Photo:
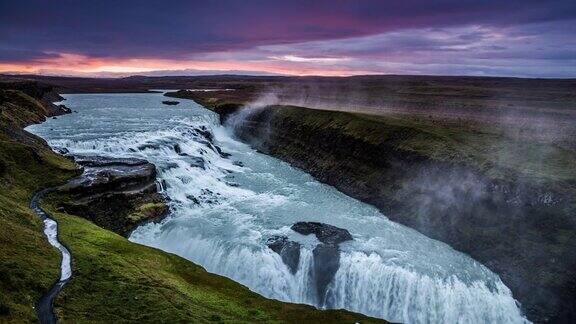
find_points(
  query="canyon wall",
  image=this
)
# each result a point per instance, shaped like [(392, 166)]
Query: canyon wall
[(520, 229)]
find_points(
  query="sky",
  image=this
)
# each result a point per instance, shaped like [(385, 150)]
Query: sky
[(267, 37)]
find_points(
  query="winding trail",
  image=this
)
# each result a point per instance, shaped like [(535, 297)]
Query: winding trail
[(45, 307)]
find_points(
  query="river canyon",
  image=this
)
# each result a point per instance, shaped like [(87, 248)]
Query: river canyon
[(228, 201)]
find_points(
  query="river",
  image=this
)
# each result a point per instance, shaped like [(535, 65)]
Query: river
[(222, 215)]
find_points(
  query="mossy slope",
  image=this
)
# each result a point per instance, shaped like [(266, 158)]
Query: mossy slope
[(28, 264)]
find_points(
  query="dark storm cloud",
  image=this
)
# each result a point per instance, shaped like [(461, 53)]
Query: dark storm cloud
[(180, 29)]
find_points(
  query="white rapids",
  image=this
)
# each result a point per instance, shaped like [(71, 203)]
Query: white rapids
[(222, 215), (51, 232)]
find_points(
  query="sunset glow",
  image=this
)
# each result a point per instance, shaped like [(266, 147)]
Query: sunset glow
[(327, 38)]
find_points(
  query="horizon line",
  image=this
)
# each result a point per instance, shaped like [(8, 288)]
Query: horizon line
[(16, 75)]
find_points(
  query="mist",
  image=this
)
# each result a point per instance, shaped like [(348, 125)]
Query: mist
[(494, 186)]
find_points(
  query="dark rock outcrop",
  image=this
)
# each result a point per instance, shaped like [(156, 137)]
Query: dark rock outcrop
[(325, 233), (170, 103), (222, 153), (150, 146), (203, 136), (288, 250), (43, 93), (23, 103), (61, 150), (64, 109), (115, 193), (205, 132), (326, 264), (326, 254), (197, 162), (102, 161), (103, 175)]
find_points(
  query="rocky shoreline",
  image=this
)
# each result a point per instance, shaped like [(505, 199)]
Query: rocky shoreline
[(118, 194)]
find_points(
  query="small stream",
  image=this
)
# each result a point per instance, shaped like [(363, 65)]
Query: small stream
[(45, 307), (225, 208)]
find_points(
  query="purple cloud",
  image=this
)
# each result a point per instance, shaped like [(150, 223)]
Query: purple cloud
[(371, 35)]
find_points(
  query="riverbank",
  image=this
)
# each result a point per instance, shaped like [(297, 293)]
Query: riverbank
[(114, 279), (508, 201)]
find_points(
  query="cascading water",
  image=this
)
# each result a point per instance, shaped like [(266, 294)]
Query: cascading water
[(225, 208)]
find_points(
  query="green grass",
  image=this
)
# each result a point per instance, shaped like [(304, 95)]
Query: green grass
[(485, 148), (28, 264), (19, 109), (146, 211)]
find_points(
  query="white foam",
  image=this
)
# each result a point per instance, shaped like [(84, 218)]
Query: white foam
[(51, 232)]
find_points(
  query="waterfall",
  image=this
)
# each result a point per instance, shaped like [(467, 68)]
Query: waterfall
[(226, 200)]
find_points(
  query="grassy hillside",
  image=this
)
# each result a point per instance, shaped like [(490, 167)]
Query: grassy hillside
[(114, 280), (19, 109), (28, 264), (485, 148)]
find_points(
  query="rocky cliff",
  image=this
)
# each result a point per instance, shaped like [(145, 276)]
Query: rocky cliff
[(27, 94), (118, 194)]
